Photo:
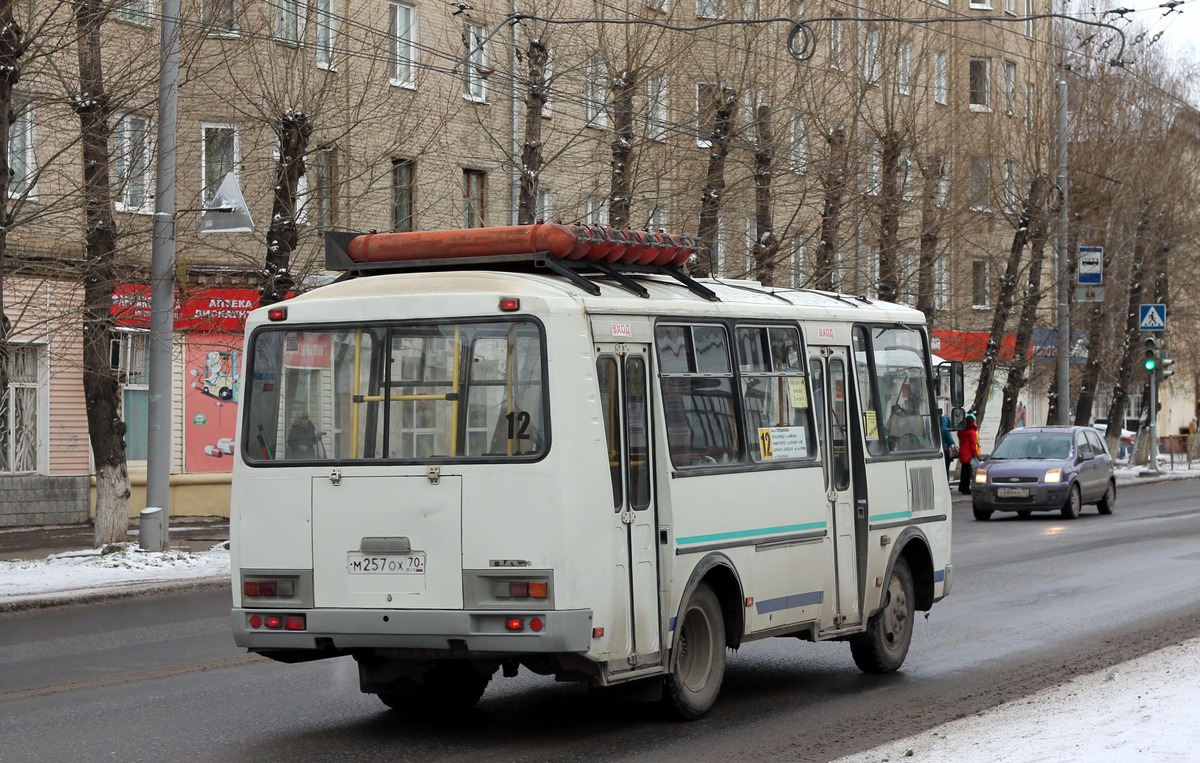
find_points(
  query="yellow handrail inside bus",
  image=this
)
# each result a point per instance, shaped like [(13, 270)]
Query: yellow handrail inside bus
[(454, 389), (354, 399)]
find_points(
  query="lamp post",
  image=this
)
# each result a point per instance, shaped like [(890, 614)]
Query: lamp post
[(162, 279)]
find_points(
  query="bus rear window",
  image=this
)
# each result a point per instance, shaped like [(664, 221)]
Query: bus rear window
[(413, 392)]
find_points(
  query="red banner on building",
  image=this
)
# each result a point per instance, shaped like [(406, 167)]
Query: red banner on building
[(208, 310)]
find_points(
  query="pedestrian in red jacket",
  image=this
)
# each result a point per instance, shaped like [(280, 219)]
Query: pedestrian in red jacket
[(968, 448)]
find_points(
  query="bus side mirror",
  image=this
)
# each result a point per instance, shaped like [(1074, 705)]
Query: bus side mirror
[(953, 369), (958, 418)]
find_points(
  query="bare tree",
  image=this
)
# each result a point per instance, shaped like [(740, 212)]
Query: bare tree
[(531, 150), (106, 429), (12, 49), (712, 195)]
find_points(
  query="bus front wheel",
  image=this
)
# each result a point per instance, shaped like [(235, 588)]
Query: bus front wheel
[(884, 645), (699, 657)]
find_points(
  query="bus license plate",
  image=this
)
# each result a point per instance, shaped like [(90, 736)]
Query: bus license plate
[(1012, 492), (385, 564)]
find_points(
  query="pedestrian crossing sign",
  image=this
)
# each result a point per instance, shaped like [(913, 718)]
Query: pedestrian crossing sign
[(1152, 317)]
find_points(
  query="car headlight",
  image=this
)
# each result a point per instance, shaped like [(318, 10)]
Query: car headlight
[(981, 476), (1053, 475)]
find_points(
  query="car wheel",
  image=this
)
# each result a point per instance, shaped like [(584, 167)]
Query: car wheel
[(1109, 501), (699, 655), (982, 515), (1070, 509), (884, 645)]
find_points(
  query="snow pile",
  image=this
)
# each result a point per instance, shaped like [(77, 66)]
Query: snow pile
[(118, 568), (1144, 709)]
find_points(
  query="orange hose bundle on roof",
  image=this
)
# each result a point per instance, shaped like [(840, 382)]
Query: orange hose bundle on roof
[(592, 243)]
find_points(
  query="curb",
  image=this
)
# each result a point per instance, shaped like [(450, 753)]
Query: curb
[(57, 599)]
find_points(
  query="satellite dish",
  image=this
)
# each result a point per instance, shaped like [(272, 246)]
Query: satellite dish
[(226, 211)]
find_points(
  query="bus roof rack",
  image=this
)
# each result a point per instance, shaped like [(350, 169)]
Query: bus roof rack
[(579, 253)]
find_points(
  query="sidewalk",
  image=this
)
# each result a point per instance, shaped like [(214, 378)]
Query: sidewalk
[(187, 534)]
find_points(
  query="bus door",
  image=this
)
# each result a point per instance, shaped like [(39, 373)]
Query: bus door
[(831, 386), (624, 378)]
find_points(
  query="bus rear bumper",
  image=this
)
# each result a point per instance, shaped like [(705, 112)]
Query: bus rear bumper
[(483, 633)]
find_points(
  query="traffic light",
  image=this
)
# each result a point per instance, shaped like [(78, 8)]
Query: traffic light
[(1153, 355), (1164, 368)]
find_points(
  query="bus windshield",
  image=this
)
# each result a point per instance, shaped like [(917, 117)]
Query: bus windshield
[(410, 392)]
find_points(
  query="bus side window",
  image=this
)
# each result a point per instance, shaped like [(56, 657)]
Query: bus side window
[(697, 388)]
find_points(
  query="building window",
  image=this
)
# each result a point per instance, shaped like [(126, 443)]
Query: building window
[(871, 56), (1012, 199), (941, 283), (1010, 87), (595, 211), (656, 106), (135, 12), (219, 17), (548, 77), (943, 184), (657, 219), (980, 286), (904, 67), (595, 92), (835, 44), (657, 5), (20, 409), (326, 33), (1029, 19), (1030, 105), (131, 163), (219, 157), (709, 9), (941, 78), (475, 69), (981, 184), (708, 101), (474, 198), (401, 59), (404, 173), (21, 161), (978, 83), (980, 5), (289, 16), (874, 171), (798, 153), (130, 360), (543, 206), (323, 164), (799, 255)]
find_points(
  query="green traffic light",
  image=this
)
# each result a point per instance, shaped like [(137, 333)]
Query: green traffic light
[(1150, 364)]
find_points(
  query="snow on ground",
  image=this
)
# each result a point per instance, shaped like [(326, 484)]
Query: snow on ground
[(94, 573), (1142, 710)]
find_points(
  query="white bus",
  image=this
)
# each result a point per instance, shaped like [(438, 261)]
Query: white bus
[(469, 457)]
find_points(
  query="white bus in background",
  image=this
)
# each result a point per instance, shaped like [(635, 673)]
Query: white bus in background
[(601, 470)]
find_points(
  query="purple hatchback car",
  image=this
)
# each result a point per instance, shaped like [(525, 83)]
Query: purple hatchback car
[(1045, 469)]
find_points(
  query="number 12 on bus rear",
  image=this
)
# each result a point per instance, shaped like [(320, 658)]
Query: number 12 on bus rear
[(454, 471)]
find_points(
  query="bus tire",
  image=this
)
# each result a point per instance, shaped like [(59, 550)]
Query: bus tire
[(884, 645), (455, 685), (698, 657), (1074, 504)]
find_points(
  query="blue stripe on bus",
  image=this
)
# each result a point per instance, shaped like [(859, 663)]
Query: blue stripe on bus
[(894, 515), (749, 533), (794, 601)]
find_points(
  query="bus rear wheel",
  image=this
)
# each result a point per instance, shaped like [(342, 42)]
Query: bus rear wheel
[(699, 657), (884, 645)]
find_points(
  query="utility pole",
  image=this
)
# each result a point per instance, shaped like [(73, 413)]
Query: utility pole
[(1064, 276), (162, 281)]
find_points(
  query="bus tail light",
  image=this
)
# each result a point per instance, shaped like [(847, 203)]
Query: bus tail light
[(270, 587), (277, 314), (514, 624), (274, 622), (521, 589)]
